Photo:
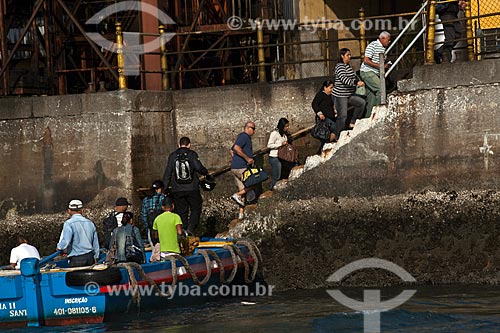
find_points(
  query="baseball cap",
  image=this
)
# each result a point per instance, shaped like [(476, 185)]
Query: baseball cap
[(122, 202), (157, 184), (167, 202), (75, 204)]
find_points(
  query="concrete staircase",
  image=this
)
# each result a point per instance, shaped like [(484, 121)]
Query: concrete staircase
[(379, 114)]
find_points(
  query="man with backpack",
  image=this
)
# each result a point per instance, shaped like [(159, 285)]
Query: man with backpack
[(151, 207), (181, 173)]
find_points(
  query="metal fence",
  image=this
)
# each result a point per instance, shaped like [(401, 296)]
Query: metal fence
[(486, 25)]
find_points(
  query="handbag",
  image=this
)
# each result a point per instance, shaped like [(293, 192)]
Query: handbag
[(360, 91), (321, 131), (253, 176), (288, 153)]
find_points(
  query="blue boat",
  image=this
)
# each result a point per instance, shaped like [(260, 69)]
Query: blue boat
[(46, 293)]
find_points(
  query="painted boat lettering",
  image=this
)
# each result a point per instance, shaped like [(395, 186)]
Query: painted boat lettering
[(8, 306), (18, 313), (73, 311), (76, 300)]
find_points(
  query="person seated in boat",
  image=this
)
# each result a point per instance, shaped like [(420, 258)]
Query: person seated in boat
[(22, 251), (167, 227), (119, 236), (78, 238)]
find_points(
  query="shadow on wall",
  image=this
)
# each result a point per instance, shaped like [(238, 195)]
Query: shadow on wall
[(54, 196)]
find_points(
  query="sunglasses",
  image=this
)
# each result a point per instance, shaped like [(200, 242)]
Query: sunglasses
[(251, 127)]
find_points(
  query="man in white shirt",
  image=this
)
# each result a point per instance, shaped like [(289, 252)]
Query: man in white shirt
[(22, 251)]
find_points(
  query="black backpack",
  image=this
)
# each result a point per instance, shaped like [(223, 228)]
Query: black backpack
[(109, 223), (152, 215), (183, 170), (133, 251)]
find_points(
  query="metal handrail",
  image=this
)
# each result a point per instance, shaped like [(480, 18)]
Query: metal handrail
[(405, 51), (383, 73), (424, 5)]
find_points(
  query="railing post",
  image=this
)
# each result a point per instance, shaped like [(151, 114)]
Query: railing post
[(260, 51), (468, 30), (383, 94), (122, 80), (431, 31), (362, 33), (163, 58)]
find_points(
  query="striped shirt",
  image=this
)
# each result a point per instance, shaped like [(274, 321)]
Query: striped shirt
[(372, 52), (345, 80)]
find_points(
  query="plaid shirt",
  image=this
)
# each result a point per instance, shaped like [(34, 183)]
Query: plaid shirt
[(151, 203)]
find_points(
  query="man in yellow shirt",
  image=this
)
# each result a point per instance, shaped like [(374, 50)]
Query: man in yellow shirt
[(166, 228)]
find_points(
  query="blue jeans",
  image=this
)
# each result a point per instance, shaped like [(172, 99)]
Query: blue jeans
[(276, 170)]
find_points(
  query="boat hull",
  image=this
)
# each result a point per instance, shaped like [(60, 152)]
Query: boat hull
[(48, 297)]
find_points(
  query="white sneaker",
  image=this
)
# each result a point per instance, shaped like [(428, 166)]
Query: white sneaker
[(238, 199)]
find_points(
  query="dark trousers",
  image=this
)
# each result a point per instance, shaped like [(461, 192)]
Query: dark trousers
[(341, 105), (188, 205), (452, 31), (82, 260)]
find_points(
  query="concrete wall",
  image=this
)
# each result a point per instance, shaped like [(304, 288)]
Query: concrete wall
[(59, 147), (213, 117), (433, 139)]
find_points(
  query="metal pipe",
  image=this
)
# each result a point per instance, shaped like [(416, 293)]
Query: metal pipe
[(48, 46), (3, 48), (405, 51), (163, 58), (122, 80), (362, 32), (285, 52), (468, 29), (431, 30), (407, 27), (383, 93), (260, 52), (327, 51)]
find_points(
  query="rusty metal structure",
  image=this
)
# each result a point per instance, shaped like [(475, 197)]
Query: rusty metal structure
[(49, 46), (45, 46)]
